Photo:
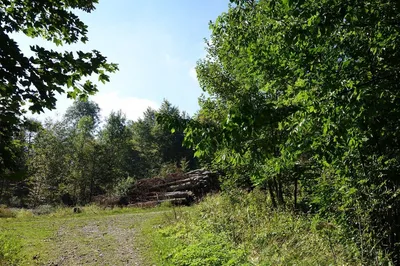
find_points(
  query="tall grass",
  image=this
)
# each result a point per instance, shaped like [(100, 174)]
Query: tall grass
[(241, 229), (6, 212)]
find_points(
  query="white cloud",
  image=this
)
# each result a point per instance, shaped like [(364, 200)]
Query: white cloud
[(175, 61), (193, 74), (133, 107)]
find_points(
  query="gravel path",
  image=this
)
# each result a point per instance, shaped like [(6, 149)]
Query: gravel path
[(108, 240)]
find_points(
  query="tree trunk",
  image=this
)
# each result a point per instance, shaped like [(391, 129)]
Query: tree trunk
[(3, 179), (92, 180), (295, 193), (271, 193), (280, 190)]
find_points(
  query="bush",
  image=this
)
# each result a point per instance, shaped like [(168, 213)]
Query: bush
[(24, 213), (43, 209), (122, 188), (168, 168), (6, 212), (186, 243), (242, 229)]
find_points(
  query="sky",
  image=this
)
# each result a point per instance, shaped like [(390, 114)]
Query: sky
[(156, 44)]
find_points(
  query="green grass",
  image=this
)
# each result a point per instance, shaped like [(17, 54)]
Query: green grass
[(235, 229), (241, 229), (29, 239)]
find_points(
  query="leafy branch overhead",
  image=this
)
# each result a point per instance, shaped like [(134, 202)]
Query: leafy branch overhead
[(37, 79)]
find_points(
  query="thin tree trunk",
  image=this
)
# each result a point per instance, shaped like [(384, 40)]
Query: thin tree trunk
[(2, 187), (271, 193), (280, 189), (295, 193)]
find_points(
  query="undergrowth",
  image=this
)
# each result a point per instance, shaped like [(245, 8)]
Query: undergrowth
[(6, 212), (241, 229), (10, 249)]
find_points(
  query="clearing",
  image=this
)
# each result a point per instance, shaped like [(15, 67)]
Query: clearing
[(111, 237)]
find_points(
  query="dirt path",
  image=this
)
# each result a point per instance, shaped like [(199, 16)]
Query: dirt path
[(106, 240)]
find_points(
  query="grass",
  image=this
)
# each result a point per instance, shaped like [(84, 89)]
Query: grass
[(27, 238), (241, 229), (235, 229)]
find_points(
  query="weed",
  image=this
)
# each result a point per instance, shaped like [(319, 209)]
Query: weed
[(241, 228)]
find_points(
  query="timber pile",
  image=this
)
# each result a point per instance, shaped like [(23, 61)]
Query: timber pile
[(177, 188)]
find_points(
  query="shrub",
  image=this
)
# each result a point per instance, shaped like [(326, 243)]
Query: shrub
[(168, 168), (24, 213), (122, 187), (241, 228), (6, 212), (43, 209)]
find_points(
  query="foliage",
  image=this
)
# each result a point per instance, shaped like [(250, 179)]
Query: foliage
[(6, 212), (46, 163), (209, 249), (243, 229), (13, 187), (118, 157), (123, 186), (74, 159), (160, 144), (43, 209), (80, 109), (303, 101), (35, 80)]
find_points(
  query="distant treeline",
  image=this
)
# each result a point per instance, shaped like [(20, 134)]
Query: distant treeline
[(77, 157)]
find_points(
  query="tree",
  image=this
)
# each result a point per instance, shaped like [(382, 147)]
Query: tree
[(37, 79), (118, 158), (307, 93), (13, 188), (160, 141), (80, 109), (170, 143), (83, 161), (48, 166)]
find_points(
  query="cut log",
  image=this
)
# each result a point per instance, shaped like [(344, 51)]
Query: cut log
[(189, 186), (153, 203), (170, 195)]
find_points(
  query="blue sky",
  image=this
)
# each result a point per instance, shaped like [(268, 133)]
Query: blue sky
[(156, 44)]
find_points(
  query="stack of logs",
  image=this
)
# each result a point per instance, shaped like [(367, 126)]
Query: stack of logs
[(177, 188)]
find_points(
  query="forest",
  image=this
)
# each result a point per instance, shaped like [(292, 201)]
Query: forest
[(71, 160), (301, 104)]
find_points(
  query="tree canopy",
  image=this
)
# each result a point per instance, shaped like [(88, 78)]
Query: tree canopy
[(74, 159), (35, 80), (304, 95)]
